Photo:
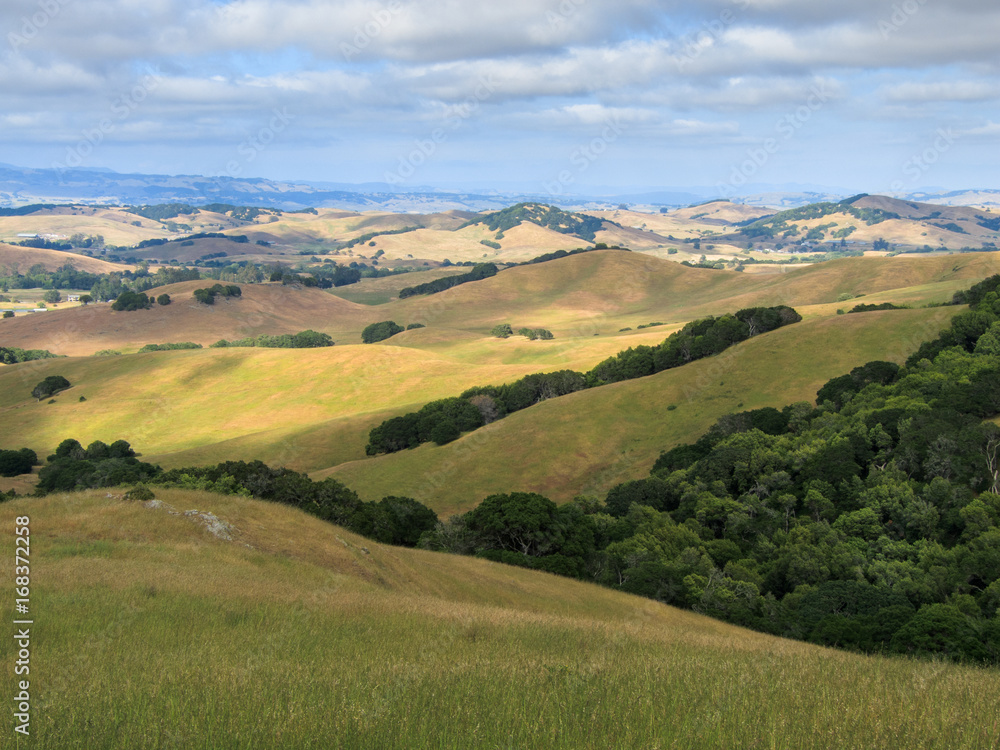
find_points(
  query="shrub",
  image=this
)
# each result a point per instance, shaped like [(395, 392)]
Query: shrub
[(169, 347), (380, 331), (15, 463), (301, 340), (502, 331), (163, 299), (412, 326), (207, 296), (128, 301), (140, 492), (52, 385), (8, 314)]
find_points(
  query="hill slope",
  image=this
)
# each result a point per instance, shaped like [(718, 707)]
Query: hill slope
[(52, 260), (150, 630), (588, 441), (263, 309)]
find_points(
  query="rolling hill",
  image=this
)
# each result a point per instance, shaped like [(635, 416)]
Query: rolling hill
[(589, 441), (147, 614), (263, 309), (52, 260), (312, 409)]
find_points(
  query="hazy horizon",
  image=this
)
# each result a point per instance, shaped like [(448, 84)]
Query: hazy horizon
[(558, 97)]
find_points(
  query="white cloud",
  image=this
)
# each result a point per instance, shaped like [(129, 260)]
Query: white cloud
[(942, 91)]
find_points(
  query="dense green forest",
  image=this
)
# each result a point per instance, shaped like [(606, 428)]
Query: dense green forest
[(443, 421)]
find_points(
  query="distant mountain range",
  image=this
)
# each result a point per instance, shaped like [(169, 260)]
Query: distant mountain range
[(22, 185)]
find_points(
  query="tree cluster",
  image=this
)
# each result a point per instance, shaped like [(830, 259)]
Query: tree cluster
[(876, 307), (439, 421), (12, 355), (37, 277), (129, 301), (565, 222), (308, 339), (696, 340), (478, 273), (207, 296), (557, 254), (505, 330), (380, 331), (169, 347), (15, 463), (73, 467), (50, 386)]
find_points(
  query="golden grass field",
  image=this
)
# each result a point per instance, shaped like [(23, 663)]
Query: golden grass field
[(151, 632), (23, 258)]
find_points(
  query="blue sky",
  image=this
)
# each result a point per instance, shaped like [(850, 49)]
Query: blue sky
[(564, 96)]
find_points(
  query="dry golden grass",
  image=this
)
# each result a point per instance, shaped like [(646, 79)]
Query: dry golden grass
[(51, 260), (263, 309)]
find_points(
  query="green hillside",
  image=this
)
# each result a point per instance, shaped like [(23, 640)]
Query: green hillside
[(150, 631), (587, 442)]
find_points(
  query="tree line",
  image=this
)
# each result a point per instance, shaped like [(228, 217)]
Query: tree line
[(392, 520), (478, 273), (308, 339), (700, 338)]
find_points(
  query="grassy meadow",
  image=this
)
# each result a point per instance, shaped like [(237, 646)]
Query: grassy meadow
[(151, 632)]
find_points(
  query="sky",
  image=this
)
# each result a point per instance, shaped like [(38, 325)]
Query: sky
[(555, 96)]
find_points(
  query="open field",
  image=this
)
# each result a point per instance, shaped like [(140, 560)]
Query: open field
[(320, 638)]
